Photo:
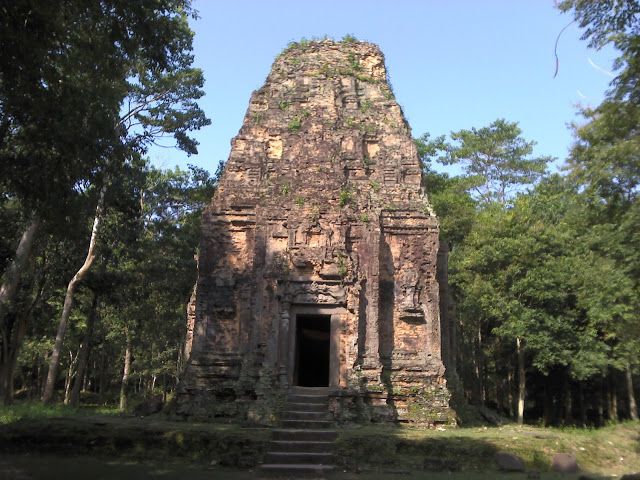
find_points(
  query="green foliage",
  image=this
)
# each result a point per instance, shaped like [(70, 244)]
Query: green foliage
[(304, 43), (348, 38), (343, 269), (368, 128), (366, 162), (354, 62), (449, 196), (92, 91), (314, 214), (299, 45), (496, 159), (605, 157), (285, 189), (605, 21), (295, 124), (257, 118), (38, 411), (531, 272), (604, 163), (283, 105), (299, 201), (365, 105), (138, 86), (346, 196)]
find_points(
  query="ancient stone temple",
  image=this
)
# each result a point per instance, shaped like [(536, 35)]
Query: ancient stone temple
[(317, 263)]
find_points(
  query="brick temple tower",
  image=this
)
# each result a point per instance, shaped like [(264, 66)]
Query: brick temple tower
[(317, 262)]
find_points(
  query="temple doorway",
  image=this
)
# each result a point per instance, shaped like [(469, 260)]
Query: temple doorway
[(313, 333)]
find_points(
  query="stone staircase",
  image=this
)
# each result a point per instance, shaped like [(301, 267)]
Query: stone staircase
[(303, 445)]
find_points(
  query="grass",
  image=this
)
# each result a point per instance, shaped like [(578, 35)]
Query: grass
[(40, 467), (611, 450), (36, 410), (79, 468), (126, 437), (374, 450), (346, 196)]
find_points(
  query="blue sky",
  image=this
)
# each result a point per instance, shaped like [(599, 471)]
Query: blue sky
[(453, 64)]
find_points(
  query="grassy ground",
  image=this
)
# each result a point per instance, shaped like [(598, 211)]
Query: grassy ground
[(33, 437), (36, 410), (613, 450), (47, 467), (38, 430)]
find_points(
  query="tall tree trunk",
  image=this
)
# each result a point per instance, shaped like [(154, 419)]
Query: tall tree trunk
[(10, 357), (11, 348), (83, 356), (73, 360), (11, 333), (164, 388), (12, 275), (548, 402), (481, 367), (633, 407), (521, 380), (583, 406), (601, 401), (477, 360), (54, 360), (102, 378), (510, 376), (613, 398), (124, 387), (566, 395)]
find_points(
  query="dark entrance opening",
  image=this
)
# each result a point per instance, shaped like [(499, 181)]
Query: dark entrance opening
[(312, 346)]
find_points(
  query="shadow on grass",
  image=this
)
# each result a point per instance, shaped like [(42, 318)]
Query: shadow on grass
[(47, 467), (393, 450), (409, 453), (130, 447), (136, 440)]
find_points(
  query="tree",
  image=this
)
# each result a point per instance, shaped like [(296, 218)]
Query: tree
[(536, 276), (54, 121), (146, 315), (497, 163), (605, 160), (62, 103), (614, 22), (496, 160), (454, 206)]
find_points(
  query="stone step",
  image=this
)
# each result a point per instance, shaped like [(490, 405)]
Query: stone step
[(307, 407), (302, 415), (309, 458), (300, 446), (304, 398), (297, 470), (309, 390), (292, 434), (310, 424)]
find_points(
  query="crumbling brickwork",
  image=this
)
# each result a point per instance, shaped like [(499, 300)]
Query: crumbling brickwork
[(319, 214)]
